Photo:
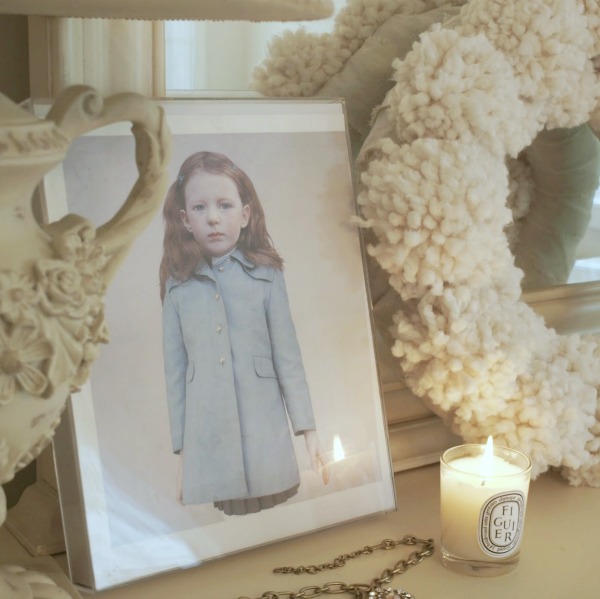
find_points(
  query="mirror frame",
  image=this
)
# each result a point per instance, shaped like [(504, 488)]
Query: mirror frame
[(572, 308)]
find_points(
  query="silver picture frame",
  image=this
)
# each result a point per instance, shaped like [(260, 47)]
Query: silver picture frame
[(116, 468)]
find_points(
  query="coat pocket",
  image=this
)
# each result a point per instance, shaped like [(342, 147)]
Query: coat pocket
[(189, 375), (263, 367)]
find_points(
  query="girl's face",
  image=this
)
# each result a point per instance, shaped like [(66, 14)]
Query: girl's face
[(214, 213)]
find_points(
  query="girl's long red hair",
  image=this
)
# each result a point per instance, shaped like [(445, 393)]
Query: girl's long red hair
[(181, 253)]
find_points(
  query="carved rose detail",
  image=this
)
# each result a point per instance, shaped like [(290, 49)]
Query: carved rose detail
[(78, 246), (62, 289), (22, 353), (17, 296), (52, 320)]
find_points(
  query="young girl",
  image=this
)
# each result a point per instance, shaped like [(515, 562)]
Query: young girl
[(233, 367)]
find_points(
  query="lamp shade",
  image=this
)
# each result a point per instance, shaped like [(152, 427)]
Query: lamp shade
[(212, 10)]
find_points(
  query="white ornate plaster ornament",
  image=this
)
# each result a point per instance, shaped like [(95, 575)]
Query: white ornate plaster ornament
[(53, 277), (17, 582), (471, 94)]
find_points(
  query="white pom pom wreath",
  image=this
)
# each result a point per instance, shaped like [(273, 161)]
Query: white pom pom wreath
[(549, 46), (299, 63), (460, 88), (437, 193), (430, 203)]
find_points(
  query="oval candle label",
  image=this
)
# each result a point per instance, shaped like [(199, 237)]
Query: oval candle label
[(500, 522)]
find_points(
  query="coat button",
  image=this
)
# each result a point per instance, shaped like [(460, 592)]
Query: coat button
[(217, 296), (219, 329), (220, 269), (221, 361)]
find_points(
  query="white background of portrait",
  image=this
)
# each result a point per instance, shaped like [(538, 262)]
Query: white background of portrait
[(297, 156)]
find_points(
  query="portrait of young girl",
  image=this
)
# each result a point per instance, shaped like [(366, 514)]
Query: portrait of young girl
[(235, 381)]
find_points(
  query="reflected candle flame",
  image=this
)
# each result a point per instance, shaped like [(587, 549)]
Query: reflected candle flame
[(338, 449)]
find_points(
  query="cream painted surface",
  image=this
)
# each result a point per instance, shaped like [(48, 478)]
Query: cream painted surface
[(252, 10), (560, 539)]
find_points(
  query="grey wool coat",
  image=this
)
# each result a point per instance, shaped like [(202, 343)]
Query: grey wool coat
[(234, 375)]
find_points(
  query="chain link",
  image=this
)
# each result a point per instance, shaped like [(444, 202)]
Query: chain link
[(358, 591)]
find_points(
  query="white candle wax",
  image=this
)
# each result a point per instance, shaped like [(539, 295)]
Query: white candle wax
[(483, 502), (477, 465)]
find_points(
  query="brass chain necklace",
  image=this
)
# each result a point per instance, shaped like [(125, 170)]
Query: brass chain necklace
[(376, 590)]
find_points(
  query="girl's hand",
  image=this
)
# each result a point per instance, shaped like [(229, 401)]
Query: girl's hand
[(315, 454), (179, 479)]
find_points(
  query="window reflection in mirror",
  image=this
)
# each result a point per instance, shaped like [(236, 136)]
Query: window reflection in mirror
[(219, 56)]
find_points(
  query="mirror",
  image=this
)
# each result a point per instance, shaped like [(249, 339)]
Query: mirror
[(218, 58), (555, 234), (434, 192)]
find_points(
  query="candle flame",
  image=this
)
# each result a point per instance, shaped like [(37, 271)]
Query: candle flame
[(487, 463), (338, 449)]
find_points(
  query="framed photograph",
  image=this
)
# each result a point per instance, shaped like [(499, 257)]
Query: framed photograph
[(238, 402)]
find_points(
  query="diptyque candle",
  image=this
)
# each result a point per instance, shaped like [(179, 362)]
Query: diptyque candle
[(483, 498)]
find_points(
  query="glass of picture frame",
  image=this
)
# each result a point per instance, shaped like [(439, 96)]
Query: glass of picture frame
[(119, 469)]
